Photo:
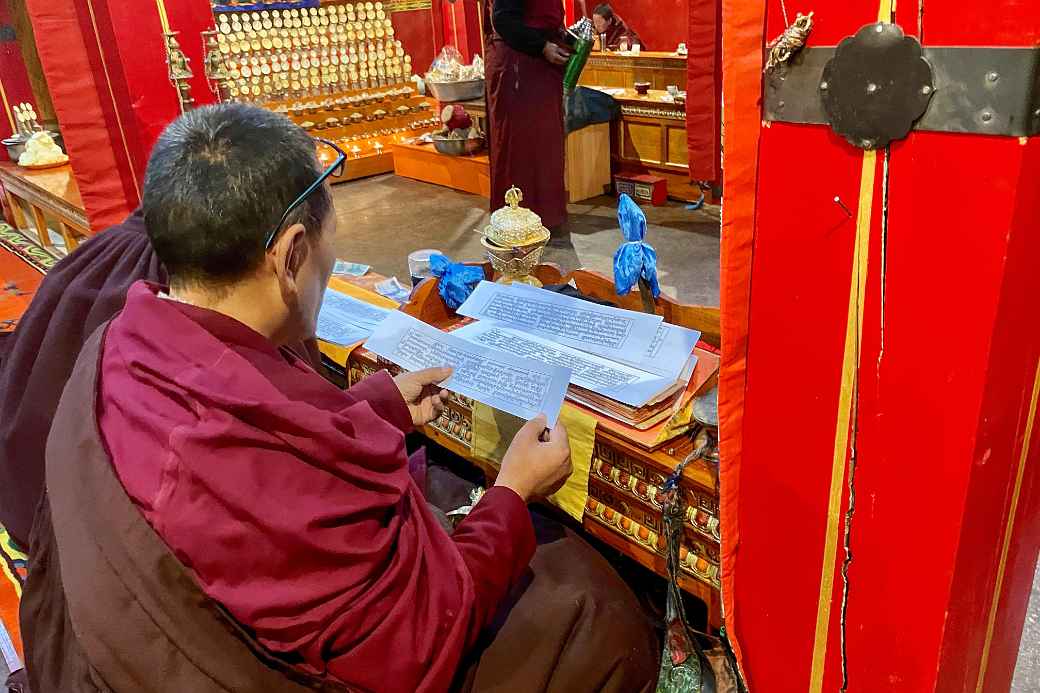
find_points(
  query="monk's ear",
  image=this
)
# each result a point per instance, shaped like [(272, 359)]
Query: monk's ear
[(291, 252)]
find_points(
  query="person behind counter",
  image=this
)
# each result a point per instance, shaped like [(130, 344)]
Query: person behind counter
[(613, 31), (524, 62), (219, 517)]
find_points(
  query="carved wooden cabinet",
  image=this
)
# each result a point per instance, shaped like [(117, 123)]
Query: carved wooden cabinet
[(613, 70)]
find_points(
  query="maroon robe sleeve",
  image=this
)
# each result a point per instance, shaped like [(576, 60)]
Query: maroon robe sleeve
[(381, 393), (496, 541)]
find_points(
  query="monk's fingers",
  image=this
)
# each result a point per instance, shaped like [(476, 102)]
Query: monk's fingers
[(432, 376)]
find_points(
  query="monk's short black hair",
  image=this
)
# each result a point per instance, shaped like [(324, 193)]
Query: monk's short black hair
[(604, 10), (218, 180)]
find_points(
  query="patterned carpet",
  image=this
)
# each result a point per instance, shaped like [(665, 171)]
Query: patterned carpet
[(22, 266), (13, 564)]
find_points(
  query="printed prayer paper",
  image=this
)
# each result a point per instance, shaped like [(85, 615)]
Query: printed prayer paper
[(608, 378), (669, 352), (520, 386), (345, 320), (609, 332)]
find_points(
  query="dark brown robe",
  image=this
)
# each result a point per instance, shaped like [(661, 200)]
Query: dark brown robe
[(108, 607), (525, 112), (81, 292)]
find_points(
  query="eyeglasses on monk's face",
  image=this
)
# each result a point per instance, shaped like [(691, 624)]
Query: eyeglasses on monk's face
[(336, 168)]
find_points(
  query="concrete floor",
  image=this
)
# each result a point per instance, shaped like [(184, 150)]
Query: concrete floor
[(382, 219)]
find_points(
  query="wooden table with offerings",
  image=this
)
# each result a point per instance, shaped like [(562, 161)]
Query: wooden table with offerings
[(626, 467)]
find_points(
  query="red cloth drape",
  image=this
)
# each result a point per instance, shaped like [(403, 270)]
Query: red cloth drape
[(112, 95), (83, 103), (704, 89), (741, 61)]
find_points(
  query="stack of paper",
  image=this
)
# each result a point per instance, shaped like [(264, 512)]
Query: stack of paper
[(625, 364), (528, 345), (345, 320)]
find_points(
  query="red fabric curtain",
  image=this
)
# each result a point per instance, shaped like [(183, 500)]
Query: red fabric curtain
[(704, 89), (97, 142)]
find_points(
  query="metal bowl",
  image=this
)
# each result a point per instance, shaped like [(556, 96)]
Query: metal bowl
[(458, 147), (515, 264), (447, 92), (15, 147)]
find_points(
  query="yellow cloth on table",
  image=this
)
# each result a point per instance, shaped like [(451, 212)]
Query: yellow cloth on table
[(493, 431)]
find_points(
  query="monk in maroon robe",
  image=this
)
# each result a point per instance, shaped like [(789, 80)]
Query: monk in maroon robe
[(614, 33), (219, 517), (524, 61)]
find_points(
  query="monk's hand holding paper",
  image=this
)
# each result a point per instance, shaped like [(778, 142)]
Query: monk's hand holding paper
[(537, 462), (420, 390)]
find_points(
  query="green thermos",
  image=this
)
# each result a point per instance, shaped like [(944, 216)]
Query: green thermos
[(582, 34)]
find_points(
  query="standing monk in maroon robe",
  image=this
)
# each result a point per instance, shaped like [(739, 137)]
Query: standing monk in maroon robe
[(218, 517), (524, 68)]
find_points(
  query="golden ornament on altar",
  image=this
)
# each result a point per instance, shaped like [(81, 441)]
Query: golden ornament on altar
[(515, 239)]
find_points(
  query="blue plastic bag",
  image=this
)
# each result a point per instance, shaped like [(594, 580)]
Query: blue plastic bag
[(457, 281)]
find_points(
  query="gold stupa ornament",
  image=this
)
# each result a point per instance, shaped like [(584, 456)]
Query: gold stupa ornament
[(515, 239)]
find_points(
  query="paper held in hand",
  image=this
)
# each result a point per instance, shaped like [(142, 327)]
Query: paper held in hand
[(610, 379), (523, 387)]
